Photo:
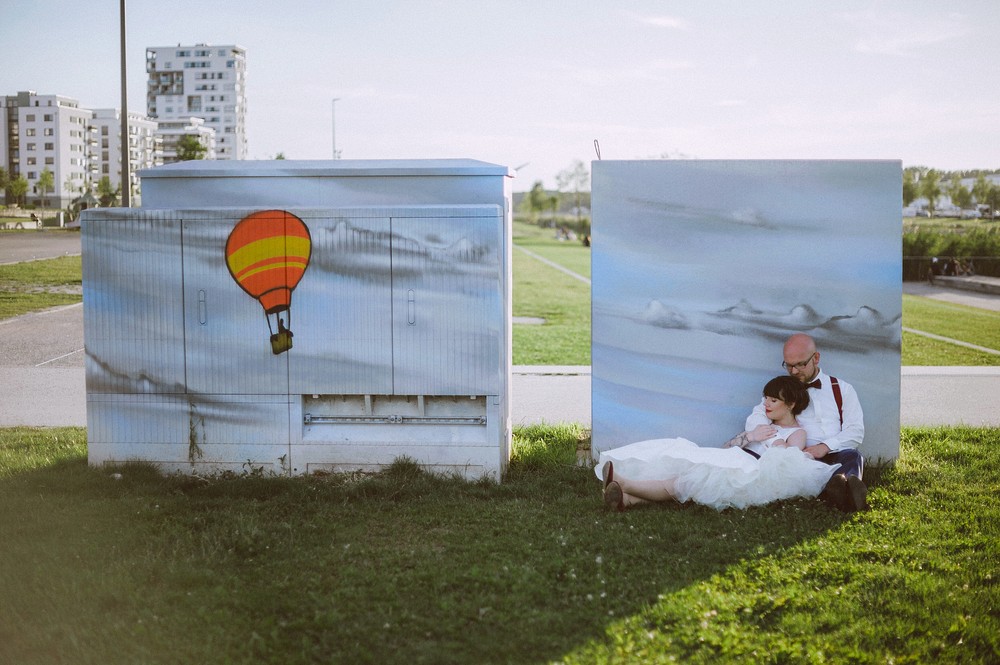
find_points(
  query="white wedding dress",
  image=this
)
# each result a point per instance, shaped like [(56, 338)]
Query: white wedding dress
[(721, 477)]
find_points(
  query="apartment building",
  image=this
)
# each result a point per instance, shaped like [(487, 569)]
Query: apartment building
[(77, 145), (144, 147), (203, 81), (172, 131), (42, 132)]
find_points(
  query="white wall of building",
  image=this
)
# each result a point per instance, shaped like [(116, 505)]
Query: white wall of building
[(204, 81)]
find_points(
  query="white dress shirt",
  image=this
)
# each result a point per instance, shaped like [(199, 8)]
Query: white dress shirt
[(821, 419)]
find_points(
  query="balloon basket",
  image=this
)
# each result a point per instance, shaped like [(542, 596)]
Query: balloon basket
[(281, 342)]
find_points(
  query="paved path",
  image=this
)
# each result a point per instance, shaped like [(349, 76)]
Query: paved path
[(34, 245)]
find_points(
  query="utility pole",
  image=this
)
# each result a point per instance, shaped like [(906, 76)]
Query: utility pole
[(126, 184)]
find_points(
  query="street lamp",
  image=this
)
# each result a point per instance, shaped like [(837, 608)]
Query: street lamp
[(336, 153)]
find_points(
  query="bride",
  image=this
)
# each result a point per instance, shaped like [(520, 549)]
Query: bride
[(753, 468)]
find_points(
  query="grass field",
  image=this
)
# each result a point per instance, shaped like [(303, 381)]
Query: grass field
[(404, 567), (35, 285)]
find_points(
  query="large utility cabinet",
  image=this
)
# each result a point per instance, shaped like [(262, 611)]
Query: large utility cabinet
[(302, 317)]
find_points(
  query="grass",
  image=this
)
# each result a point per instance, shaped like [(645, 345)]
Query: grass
[(411, 568), (544, 292), (968, 324), (35, 285)]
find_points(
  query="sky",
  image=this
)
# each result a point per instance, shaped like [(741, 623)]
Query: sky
[(532, 84)]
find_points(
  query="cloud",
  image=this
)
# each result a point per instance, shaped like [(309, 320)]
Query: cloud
[(902, 34), (671, 22)]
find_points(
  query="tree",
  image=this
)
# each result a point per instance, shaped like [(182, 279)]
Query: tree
[(4, 182), (930, 187), (992, 199), (959, 193), (910, 189), (981, 189), (18, 187), (535, 201), (106, 194), (280, 155), (189, 147), (46, 182), (575, 179)]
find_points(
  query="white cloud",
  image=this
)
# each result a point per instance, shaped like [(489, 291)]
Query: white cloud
[(903, 34), (671, 22)]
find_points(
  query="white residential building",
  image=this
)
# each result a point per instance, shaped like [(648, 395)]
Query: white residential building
[(46, 132), (106, 156), (172, 131), (203, 81), (77, 145)]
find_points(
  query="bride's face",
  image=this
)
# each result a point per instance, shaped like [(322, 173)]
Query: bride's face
[(775, 409)]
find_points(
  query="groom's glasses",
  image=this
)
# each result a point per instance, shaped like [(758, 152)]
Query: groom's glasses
[(801, 365)]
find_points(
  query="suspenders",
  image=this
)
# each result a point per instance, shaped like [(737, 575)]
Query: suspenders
[(837, 396)]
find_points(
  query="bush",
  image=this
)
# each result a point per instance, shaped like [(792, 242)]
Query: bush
[(982, 245)]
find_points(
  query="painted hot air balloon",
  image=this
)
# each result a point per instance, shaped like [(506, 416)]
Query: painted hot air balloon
[(267, 253)]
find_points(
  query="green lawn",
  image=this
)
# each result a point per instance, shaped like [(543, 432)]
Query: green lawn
[(35, 285), (404, 567)]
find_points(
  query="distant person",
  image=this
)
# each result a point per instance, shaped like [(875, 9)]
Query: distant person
[(756, 467), (833, 421)]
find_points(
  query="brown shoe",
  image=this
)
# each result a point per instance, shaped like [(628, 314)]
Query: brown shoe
[(614, 498), (837, 494), (608, 473), (857, 493)]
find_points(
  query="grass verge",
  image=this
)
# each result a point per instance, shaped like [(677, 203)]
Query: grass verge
[(35, 285), (408, 567)]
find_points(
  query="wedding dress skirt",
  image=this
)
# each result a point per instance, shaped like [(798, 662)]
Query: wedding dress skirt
[(720, 477)]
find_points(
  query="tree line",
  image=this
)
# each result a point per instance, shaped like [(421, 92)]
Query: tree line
[(920, 181)]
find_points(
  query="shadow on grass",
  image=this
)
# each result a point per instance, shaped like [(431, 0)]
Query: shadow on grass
[(402, 566)]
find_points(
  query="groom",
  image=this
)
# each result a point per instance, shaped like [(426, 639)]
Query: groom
[(833, 422)]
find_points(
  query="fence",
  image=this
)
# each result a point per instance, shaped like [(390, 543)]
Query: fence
[(915, 268)]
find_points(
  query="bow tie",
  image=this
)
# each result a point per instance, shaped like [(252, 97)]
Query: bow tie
[(814, 384)]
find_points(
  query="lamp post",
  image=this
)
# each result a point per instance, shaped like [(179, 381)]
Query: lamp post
[(126, 175), (333, 106)]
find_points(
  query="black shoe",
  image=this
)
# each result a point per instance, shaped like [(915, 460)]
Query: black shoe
[(857, 493), (837, 494), (608, 473)]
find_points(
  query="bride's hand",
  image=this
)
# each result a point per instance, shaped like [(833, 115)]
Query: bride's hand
[(762, 433)]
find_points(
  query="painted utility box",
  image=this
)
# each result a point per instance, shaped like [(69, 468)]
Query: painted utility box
[(302, 317)]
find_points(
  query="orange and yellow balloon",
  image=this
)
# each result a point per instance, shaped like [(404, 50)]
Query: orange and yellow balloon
[(267, 253)]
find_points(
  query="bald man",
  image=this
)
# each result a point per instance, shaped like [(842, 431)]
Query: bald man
[(833, 421)]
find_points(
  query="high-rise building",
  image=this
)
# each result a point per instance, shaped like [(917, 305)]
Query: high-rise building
[(202, 81), (173, 131)]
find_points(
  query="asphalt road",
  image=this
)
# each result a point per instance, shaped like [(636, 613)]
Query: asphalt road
[(42, 366), (16, 246)]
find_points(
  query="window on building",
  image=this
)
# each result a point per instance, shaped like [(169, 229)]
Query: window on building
[(30, 117), (31, 161), (48, 131), (30, 147), (104, 130), (51, 146), (48, 117), (30, 131)]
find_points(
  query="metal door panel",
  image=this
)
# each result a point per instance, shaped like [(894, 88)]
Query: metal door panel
[(342, 308), (133, 319), (447, 305), (228, 348)]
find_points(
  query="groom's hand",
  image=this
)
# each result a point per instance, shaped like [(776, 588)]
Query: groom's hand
[(818, 451)]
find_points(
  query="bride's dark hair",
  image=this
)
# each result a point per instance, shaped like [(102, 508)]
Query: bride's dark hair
[(790, 391)]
